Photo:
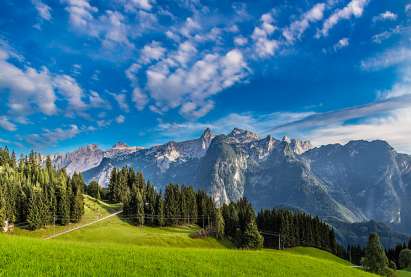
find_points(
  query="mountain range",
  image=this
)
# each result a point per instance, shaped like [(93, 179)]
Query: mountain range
[(356, 182)]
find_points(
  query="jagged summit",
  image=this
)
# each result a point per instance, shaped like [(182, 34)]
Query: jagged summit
[(120, 144), (242, 136)]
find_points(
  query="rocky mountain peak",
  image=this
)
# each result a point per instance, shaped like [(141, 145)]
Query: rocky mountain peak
[(120, 145), (89, 148), (242, 136)]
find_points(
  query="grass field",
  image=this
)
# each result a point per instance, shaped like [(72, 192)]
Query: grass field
[(113, 247), (404, 273), (25, 256)]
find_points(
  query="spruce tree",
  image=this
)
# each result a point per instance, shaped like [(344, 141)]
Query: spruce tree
[(219, 224), (139, 208), (93, 189), (76, 201), (251, 238), (375, 259), (35, 216), (159, 219)]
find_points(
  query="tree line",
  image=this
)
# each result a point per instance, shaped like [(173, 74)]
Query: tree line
[(33, 194), (177, 205), (295, 229)]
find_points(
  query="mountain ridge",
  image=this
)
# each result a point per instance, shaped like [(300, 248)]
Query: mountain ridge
[(355, 182)]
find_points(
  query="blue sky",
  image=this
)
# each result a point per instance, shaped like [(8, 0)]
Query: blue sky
[(74, 72)]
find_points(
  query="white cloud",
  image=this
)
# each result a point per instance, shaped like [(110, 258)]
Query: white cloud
[(110, 28), (42, 9), (70, 89), (121, 100), (196, 83), (394, 128), (264, 46), (120, 119), (298, 27), (96, 101), (240, 41), (28, 87), (152, 52), (385, 16), (6, 124), (407, 8), (391, 57), (49, 137), (380, 37), (342, 43), (113, 29), (354, 8), (139, 98), (133, 5), (81, 15)]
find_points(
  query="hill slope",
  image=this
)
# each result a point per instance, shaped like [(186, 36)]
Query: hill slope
[(56, 257)]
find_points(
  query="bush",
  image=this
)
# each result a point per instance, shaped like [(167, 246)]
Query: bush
[(405, 258)]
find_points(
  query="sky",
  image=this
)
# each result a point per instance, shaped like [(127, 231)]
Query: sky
[(75, 72)]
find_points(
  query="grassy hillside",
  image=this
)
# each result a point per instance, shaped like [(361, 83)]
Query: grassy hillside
[(114, 247), (93, 209), (115, 230), (313, 252), (29, 256)]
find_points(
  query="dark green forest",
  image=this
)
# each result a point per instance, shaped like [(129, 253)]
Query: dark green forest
[(33, 194)]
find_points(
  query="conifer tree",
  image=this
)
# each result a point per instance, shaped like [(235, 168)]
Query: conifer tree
[(375, 260), (93, 189), (219, 224), (159, 219), (139, 207), (405, 258)]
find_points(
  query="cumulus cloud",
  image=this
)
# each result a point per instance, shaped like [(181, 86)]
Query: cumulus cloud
[(71, 90), (152, 52), (42, 9), (120, 119), (240, 40), (298, 27), (28, 87), (264, 46), (342, 43), (205, 78), (96, 101), (139, 98), (385, 16), (121, 99), (81, 14), (6, 124), (183, 77), (110, 27), (133, 5), (354, 8)]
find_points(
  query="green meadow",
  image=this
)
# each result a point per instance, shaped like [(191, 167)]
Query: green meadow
[(116, 248)]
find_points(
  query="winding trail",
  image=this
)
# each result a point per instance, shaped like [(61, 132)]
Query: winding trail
[(82, 226)]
